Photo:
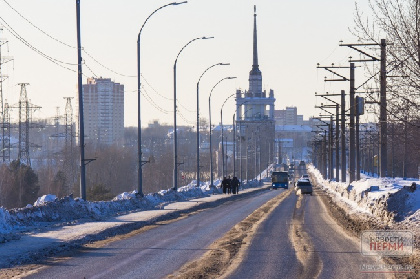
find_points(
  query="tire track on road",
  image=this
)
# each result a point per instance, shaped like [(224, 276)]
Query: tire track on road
[(311, 264)]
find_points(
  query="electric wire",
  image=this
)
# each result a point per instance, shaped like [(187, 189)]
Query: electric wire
[(36, 27), (20, 38), (150, 100), (63, 43)]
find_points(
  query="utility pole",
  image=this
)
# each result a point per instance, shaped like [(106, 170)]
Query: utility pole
[(352, 134), (337, 141), (330, 153), (383, 113), (337, 130), (352, 108), (383, 160), (81, 115), (343, 137)]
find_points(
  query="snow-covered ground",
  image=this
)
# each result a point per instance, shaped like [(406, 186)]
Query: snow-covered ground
[(389, 199), (50, 212)]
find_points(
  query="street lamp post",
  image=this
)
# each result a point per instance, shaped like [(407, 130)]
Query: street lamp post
[(234, 141), (211, 157), (198, 120), (175, 174), (221, 124), (140, 162)]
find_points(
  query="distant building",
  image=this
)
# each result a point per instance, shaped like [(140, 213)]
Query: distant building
[(103, 109), (255, 121), (288, 116)]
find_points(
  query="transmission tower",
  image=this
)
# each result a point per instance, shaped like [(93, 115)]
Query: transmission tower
[(5, 148), (68, 124), (6, 133), (69, 168), (25, 108), (24, 125)]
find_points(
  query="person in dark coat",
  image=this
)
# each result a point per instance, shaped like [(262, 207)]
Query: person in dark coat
[(229, 185), (413, 187), (224, 185), (235, 185)]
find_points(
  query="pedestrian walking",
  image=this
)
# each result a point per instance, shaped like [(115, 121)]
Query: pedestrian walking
[(229, 185), (224, 185)]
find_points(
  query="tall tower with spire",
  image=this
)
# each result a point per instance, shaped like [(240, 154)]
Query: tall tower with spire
[(255, 104), (255, 119), (255, 77)]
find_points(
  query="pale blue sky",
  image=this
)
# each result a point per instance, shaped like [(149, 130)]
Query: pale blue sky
[(293, 35)]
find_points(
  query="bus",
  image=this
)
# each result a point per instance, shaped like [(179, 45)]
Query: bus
[(280, 179)]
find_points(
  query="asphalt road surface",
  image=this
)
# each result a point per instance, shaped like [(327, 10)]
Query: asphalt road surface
[(159, 251), (300, 240)]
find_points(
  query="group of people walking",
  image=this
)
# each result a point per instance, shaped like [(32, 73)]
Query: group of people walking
[(230, 186)]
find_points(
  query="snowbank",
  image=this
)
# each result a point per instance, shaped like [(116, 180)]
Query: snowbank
[(387, 198), (48, 210), (44, 199)]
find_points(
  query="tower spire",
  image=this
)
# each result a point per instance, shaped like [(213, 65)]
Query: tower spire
[(255, 51)]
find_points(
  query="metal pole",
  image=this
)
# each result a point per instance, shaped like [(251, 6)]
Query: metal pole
[(211, 157), (352, 135), (175, 172), (240, 150), (255, 155), (226, 165), (223, 154), (357, 139), (393, 150), (81, 123), (247, 155), (139, 139), (337, 142), (383, 113), (234, 146), (343, 137), (330, 153), (198, 121)]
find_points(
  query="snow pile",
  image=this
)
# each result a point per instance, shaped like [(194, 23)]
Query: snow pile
[(48, 210), (4, 220), (44, 199), (390, 199), (125, 196)]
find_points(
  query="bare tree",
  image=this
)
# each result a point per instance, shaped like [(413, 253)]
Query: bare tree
[(399, 22)]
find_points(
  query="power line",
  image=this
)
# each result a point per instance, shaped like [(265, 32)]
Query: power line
[(36, 27), (20, 38)]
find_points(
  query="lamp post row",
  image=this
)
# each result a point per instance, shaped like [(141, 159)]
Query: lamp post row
[(211, 157), (198, 119), (139, 139), (175, 174)]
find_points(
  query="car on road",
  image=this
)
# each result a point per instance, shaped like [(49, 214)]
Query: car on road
[(304, 185), (305, 176)]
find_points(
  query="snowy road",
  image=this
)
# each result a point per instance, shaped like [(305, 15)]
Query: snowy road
[(301, 240), (159, 251)]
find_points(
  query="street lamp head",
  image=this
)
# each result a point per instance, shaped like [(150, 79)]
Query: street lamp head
[(224, 64), (205, 38), (230, 77), (178, 3)]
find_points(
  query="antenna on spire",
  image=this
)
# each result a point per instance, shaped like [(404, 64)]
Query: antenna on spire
[(255, 9)]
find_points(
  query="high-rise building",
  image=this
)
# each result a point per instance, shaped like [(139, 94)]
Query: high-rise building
[(103, 109)]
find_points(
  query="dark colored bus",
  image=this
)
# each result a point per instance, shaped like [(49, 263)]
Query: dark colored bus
[(280, 179)]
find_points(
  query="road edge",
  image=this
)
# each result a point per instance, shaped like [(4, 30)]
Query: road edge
[(225, 254)]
